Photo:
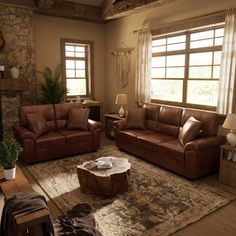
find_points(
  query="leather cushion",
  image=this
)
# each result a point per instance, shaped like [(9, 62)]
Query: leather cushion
[(150, 141), (78, 119), (152, 111), (136, 118), (190, 130), (37, 124), (49, 140), (75, 136), (171, 148)]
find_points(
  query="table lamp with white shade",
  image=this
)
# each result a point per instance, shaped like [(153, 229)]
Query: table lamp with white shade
[(121, 99), (230, 123)]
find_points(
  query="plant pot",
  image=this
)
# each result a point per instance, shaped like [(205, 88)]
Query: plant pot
[(10, 173)]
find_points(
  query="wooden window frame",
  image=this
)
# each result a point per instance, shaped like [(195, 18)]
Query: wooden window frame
[(89, 65), (187, 51)]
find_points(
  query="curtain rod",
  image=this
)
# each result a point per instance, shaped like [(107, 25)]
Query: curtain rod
[(181, 21)]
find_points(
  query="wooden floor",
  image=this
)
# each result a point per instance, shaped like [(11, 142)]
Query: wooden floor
[(219, 223)]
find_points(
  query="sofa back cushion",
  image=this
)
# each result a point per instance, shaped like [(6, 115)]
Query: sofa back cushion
[(46, 110), (152, 113), (78, 119), (210, 120), (61, 113), (169, 120)]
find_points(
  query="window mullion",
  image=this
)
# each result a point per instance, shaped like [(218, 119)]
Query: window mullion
[(186, 68)]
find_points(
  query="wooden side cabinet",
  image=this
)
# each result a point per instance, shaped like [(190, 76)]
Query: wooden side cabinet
[(109, 127), (95, 110), (228, 165)]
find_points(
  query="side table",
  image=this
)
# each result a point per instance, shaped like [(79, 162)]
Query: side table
[(227, 173), (109, 127), (30, 224)]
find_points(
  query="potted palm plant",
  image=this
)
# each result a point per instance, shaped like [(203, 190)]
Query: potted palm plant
[(9, 153), (52, 90)]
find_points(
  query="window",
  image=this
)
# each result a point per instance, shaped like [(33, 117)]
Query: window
[(77, 58), (186, 67)]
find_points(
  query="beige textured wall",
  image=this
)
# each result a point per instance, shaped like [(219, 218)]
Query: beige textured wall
[(121, 31), (47, 33)]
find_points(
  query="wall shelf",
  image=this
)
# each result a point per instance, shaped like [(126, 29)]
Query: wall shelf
[(14, 84)]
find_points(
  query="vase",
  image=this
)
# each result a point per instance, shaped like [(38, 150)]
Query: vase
[(15, 72), (10, 173)]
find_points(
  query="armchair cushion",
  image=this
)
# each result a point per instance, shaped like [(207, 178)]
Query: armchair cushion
[(78, 119), (136, 118), (37, 124), (189, 131)]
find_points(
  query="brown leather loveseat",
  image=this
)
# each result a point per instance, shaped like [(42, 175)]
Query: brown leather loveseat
[(51, 131), (182, 140)]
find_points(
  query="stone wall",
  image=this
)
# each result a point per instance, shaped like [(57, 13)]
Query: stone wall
[(16, 25), (17, 29)]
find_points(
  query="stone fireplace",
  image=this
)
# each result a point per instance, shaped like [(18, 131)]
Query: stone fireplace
[(16, 26), (10, 100)]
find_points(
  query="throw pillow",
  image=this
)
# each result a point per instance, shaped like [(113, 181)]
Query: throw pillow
[(136, 118), (78, 119), (190, 130), (37, 124)]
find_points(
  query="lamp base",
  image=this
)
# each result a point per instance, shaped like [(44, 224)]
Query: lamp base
[(231, 138), (122, 112)]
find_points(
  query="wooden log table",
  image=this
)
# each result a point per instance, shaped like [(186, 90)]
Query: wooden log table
[(104, 182)]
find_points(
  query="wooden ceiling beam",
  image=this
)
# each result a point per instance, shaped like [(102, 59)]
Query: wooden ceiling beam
[(113, 9), (110, 9), (45, 4), (106, 6), (73, 11), (59, 8)]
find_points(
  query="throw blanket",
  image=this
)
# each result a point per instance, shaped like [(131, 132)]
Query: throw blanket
[(78, 221), (22, 203)]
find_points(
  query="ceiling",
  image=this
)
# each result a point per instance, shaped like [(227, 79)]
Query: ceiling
[(96, 3)]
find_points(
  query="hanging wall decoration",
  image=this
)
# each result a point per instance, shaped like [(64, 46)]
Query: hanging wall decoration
[(122, 57)]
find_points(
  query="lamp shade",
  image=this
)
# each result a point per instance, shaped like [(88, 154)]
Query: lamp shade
[(230, 122), (121, 99)]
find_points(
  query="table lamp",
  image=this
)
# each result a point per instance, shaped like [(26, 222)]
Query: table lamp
[(230, 123), (121, 99)]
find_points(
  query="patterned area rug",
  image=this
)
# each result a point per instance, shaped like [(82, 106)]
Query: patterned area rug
[(157, 203)]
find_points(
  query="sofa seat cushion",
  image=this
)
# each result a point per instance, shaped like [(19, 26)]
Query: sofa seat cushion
[(74, 136), (150, 141), (50, 139), (131, 135), (172, 148)]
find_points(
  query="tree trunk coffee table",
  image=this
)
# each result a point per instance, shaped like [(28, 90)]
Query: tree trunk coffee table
[(104, 182)]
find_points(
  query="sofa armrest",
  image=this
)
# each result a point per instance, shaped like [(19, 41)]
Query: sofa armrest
[(22, 133), (205, 142), (94, 125), (120, 124)]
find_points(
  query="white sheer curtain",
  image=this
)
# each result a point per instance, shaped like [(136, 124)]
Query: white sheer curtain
[(227, 85), (143, 67)]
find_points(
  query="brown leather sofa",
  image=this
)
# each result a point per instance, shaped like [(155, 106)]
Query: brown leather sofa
[(159, 143), (57, 141)]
